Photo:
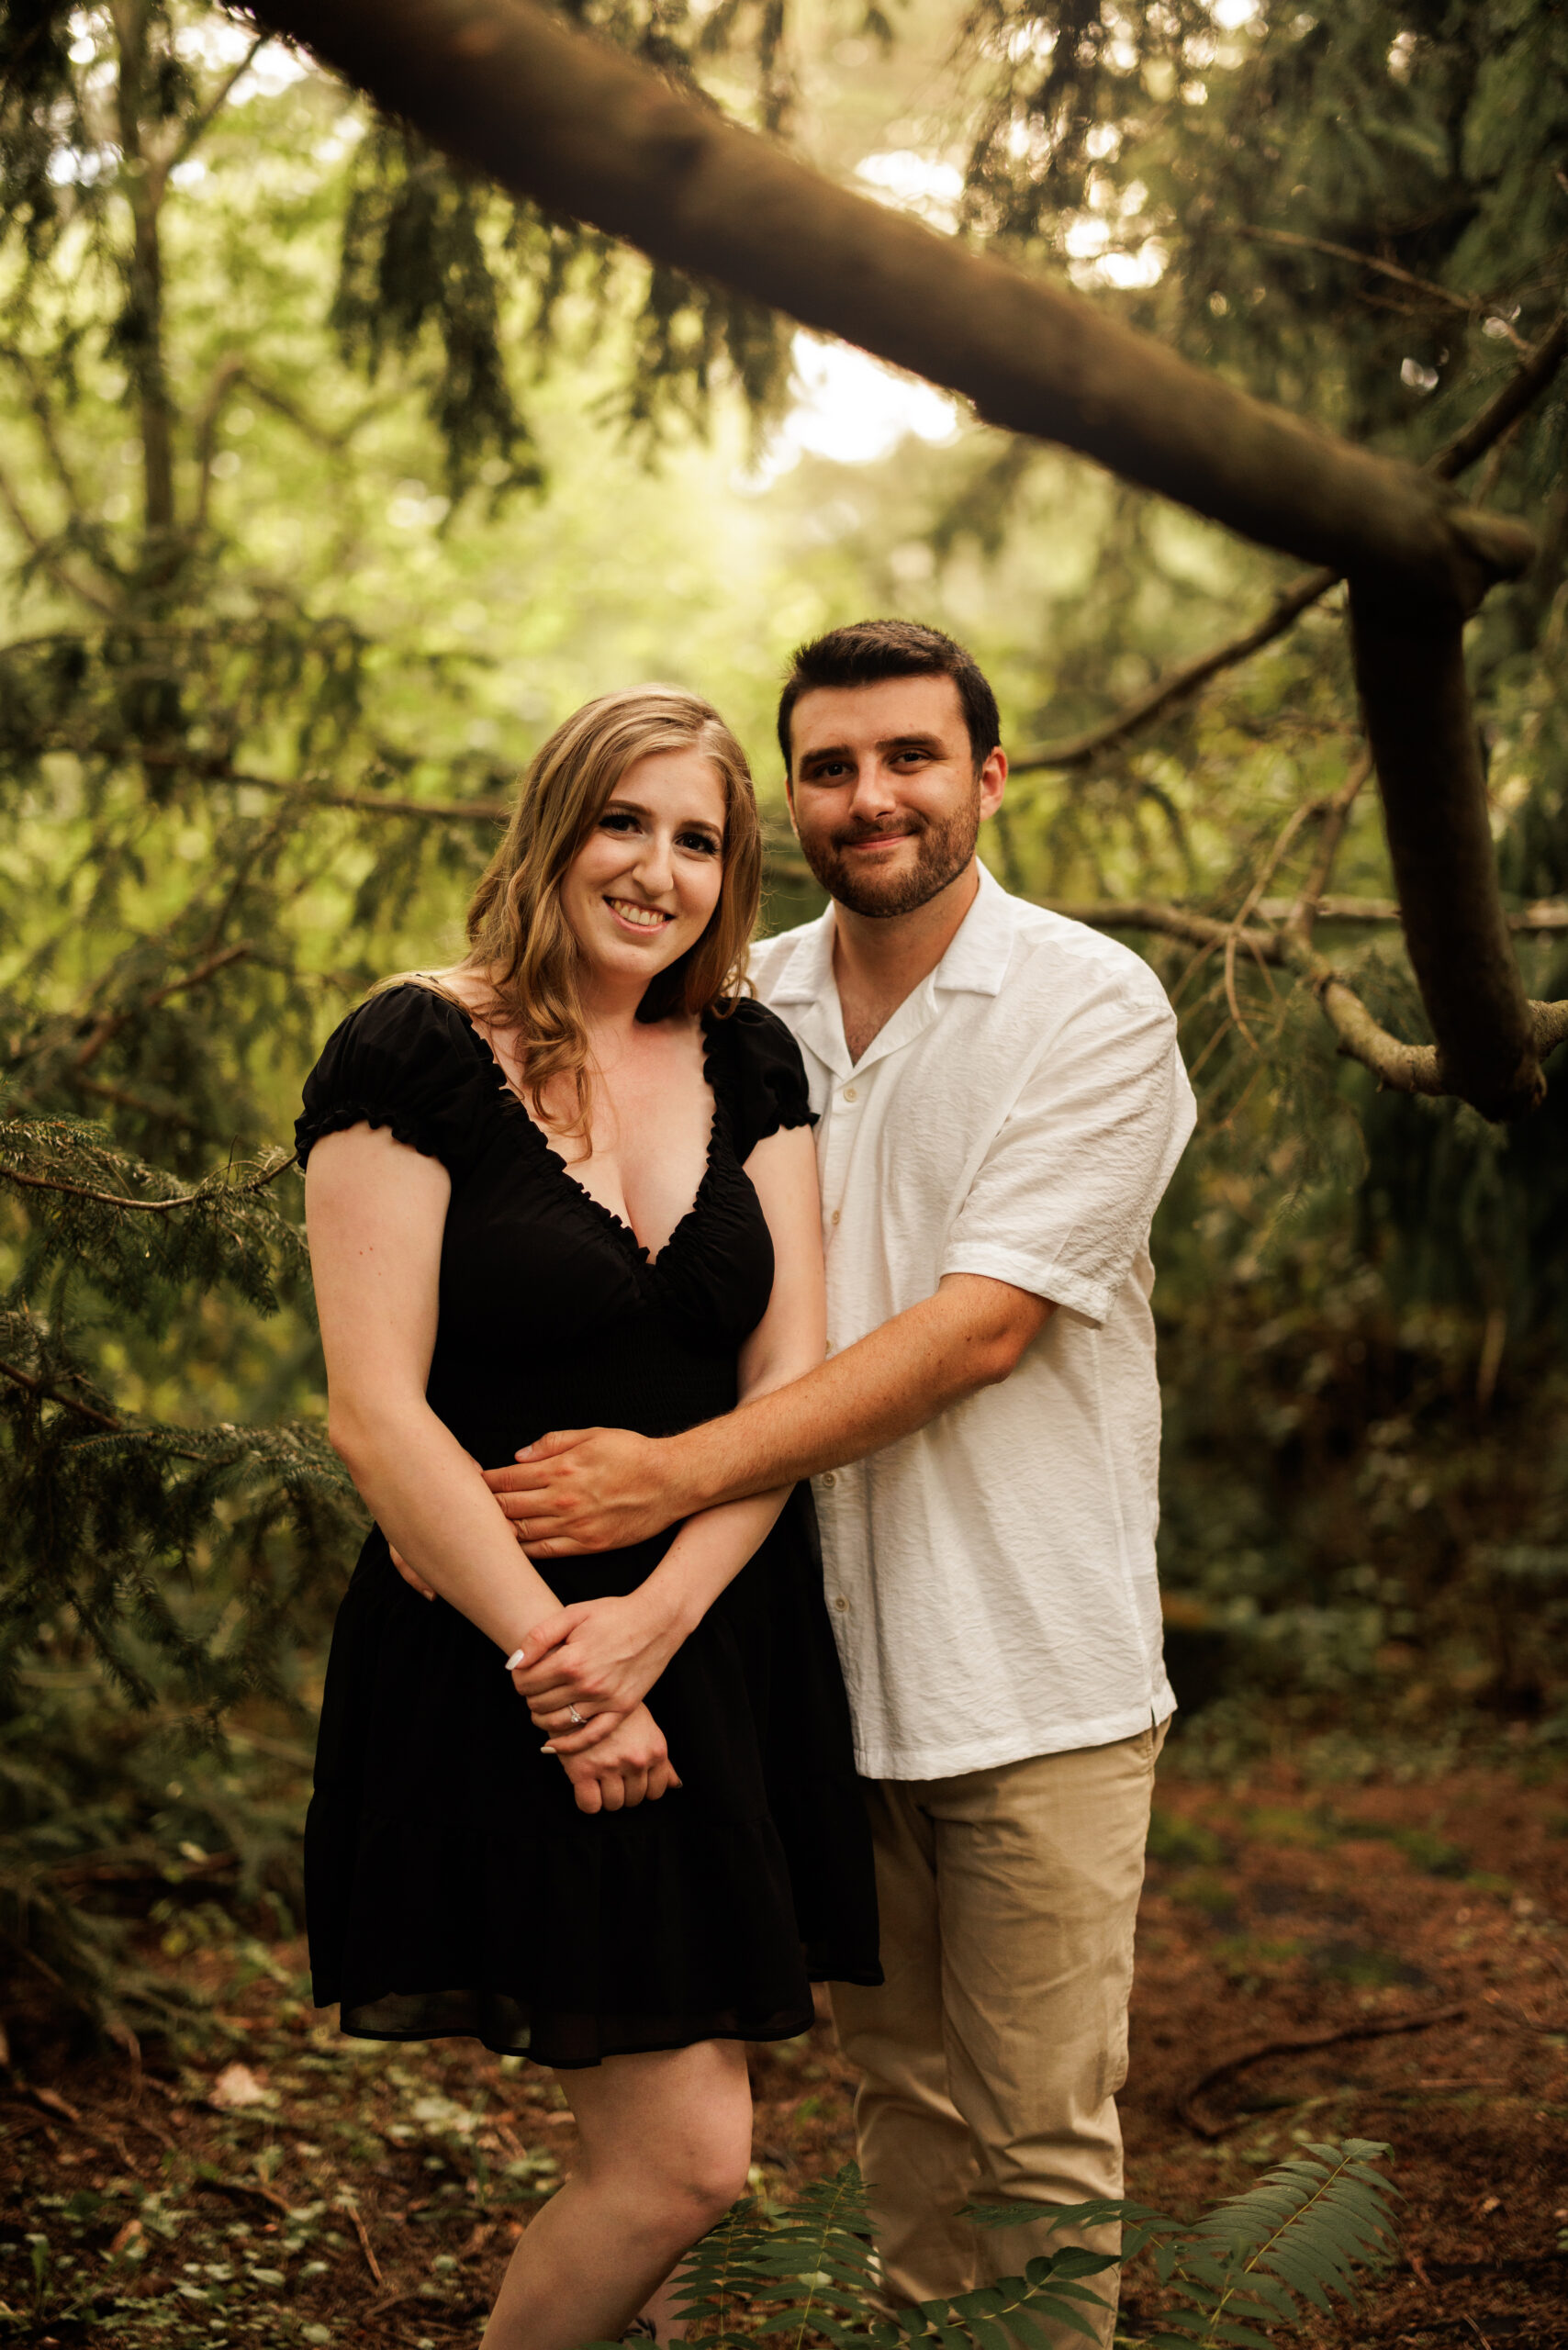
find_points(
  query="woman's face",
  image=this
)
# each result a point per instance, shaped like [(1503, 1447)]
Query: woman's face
[(640, 889)]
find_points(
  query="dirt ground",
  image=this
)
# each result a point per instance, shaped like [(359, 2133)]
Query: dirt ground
[(261, 2179)]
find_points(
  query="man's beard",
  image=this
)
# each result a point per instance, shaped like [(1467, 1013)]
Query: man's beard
[(942, 851)]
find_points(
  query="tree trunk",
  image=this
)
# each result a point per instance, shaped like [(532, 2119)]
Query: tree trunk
[(560, 116), (141, 332)]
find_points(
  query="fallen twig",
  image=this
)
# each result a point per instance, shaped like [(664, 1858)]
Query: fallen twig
[(1374, 2028), (347, 2204), (242, 2188)]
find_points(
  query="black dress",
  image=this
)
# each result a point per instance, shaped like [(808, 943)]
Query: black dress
[(452, 1883)]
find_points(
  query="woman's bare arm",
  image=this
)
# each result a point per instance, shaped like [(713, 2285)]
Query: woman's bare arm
[(376, 1212), (603, 1655)]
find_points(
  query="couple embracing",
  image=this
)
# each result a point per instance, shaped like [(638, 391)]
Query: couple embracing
[(611, 1255)]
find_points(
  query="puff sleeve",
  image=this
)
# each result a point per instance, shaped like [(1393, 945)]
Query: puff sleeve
[(754, 1066), (409, 1060)]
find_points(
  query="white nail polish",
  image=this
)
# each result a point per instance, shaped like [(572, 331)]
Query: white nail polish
[(514, 1660)]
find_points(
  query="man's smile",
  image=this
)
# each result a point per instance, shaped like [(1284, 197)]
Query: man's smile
[(864, 841)]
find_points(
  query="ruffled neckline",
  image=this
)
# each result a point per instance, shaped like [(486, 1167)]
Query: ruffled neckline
[(606, 1217)]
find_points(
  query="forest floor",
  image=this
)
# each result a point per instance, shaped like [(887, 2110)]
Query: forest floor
[(261, 2179)]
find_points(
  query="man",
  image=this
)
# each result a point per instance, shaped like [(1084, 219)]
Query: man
[(1002, 1104)]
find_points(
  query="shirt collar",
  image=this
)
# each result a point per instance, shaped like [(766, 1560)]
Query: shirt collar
[(975, 962), (806, 968)]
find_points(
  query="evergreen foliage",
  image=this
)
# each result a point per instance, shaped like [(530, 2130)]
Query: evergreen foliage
[(167, 1561)]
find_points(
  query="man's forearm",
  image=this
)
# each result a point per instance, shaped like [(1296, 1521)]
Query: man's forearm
[(932, 1355)]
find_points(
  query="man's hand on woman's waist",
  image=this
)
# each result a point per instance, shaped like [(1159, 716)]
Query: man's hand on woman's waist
[(601, 1489), (590, 1489)]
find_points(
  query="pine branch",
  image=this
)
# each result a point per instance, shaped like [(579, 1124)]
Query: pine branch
[(47, 1394), (111, 1024), (1083, 750), (1299, 921), (203, 1191), (1288, 944), (213, 768), (43, 416), (1472, 305), (43, 553), (200, 124), (1165, 922), (1548, 918), (1310, 812), (1517, 396)]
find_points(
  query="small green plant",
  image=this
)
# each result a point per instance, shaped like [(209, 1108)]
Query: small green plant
[(807, 2274)]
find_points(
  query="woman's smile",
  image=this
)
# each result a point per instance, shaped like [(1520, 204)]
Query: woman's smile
[(636, 916)]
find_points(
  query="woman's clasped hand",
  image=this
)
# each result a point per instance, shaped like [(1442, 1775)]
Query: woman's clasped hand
[(629, 1765), (590, 1665)]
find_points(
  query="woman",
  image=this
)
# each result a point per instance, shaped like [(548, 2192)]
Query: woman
[(571, 1181)]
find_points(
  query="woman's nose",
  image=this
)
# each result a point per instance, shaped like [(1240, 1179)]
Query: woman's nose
[(656, 866)]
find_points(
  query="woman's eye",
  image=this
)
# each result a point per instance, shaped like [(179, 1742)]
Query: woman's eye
[(705, 842), (619, 820)]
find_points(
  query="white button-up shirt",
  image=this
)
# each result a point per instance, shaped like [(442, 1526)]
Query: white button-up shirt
[(991, 1578)]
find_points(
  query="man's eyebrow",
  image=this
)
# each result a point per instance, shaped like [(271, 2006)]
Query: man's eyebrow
[(825, 750)]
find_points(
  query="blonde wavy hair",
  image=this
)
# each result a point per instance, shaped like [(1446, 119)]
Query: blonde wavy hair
[(519, 941)]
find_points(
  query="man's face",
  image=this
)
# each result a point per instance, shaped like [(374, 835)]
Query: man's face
[(883, 792)]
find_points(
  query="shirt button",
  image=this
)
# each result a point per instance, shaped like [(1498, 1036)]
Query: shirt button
[(849, 1094), (836, 1214), (830, 1478), (840, 1602)]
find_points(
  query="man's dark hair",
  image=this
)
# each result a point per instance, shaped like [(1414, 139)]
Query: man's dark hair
[(868, 651)]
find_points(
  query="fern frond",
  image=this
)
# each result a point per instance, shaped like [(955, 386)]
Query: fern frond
[(807, 2274), (1299, 2234)]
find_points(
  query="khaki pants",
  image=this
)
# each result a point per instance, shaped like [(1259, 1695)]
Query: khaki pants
[(992, 2053)]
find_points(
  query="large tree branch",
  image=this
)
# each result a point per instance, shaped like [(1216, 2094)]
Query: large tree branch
[(564, 119), (1415, 698), (560, 116), (1486, 428), (1163, 920), (1414, 1068)]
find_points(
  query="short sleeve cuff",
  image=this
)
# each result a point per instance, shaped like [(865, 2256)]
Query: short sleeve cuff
[(410, 1060), (1038, 1276)]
